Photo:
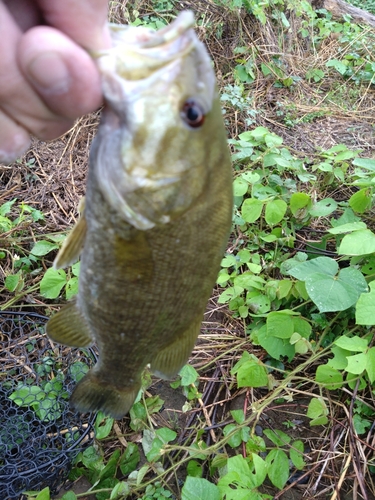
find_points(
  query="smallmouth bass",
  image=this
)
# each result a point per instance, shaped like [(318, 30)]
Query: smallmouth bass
[(156, 217)]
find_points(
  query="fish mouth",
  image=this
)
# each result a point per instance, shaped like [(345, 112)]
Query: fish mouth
[(138, 52)]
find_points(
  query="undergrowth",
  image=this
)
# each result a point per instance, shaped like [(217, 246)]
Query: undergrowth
[(298, 280)]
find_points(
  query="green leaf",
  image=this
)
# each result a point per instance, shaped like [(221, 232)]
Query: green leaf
[(323, 208), (196, 488), (352, 344), (360, 242), (121, 490), (296, 454), (27, 395), (6, 207), (361, 200), (338, 65), (370, 364), (317, 411), (280, 324), (367, 163), (252, 374), (347, 228), (329, 377), (299, 202), (71, 287), (130, 459), (103, 425), (69, 495), (235, 438), (365, 307), (336, 293), (194, 469), (43, 247), (278, 437), (188, 374), (240, 186), (12, 281), (357, 363), (275, 211), (324, 265), (278, 467), (52, 283), (251, 210), (44, 494)]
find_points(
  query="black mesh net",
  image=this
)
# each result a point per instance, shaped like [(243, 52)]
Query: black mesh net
[(40, 435)]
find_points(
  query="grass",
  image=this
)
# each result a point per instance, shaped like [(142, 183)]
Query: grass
[(279, 389)]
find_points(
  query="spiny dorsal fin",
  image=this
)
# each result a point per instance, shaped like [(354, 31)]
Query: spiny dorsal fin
[(73, 244), (68, 327)]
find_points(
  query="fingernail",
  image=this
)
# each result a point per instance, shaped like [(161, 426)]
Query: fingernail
[(49, 73)]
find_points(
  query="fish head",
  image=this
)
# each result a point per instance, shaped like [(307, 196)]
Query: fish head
[(162, 129)]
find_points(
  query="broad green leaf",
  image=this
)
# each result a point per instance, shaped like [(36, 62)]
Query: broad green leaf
[(324, 265), (278, 437), (299, 202), (121, 490), (365, 307), (370, 364), (71, 287), (367, 163), (361, 200), (130, 459), (188, 374), (278, 467), (235, 438), (336, 293), (252, 374), (194, 469), (339, 361), (12, 281), (240, 186), (6, 207), (280, 325), (360, 242), (251, 209), (275, 211), (52, 283), (44, 494), (69, 495), (357, 363), (329, 377), (352, 344), (43, 247), (338, 65), (296, 454), (317, 411), (347, 228), (103, 426), (323, 207), (196, 488)]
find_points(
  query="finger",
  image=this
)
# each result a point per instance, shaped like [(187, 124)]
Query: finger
[(14, 139), (26, 13), (64, 75), (85, 21), (18, 100)]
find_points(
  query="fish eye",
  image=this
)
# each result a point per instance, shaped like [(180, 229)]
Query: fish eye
[(192, 113)]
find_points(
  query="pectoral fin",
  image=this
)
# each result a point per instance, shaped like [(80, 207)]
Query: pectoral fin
[(68, 327), (73, 244), (172, 358)]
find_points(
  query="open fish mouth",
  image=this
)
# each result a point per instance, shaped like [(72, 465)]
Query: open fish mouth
[(137, 52)]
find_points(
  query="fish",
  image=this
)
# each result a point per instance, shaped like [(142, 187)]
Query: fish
[(156, 217)]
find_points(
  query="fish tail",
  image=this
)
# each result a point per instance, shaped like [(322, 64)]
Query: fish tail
[(94, 393)]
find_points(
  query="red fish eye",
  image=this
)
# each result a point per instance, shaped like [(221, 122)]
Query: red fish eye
[(192, 113)]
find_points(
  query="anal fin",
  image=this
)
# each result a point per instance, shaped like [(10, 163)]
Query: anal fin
[(68, 327), (169, 361), (73, 244)]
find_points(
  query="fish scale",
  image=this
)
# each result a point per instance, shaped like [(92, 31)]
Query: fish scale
[(156, 217)]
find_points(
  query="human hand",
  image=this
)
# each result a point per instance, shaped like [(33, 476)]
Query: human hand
[(47, 79)]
